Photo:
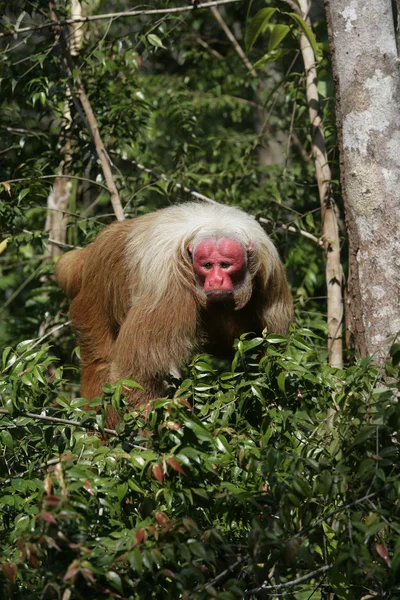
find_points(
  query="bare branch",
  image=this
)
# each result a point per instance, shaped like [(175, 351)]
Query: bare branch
[(47, 419), (288, 584), (164, 178), (117, 15), (231, 38), (92, 121), (37, 177), (292, 229)]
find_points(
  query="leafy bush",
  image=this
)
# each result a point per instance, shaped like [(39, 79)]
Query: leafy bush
[(279, 475)]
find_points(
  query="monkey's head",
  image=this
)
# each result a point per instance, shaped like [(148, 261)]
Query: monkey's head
[(221, 271)]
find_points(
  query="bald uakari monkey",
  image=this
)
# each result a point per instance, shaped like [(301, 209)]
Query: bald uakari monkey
[(151, 291)]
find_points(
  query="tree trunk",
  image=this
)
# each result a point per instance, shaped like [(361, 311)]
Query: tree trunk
[(365, 64)]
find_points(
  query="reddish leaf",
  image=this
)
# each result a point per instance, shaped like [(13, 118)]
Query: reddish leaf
[(67, 457), (174, 426), (168, 573), (52, 543), (33, 560), (174, 464), (161, 517), (88, 575), (88, 487), (10, 571), (71, 573), (147, 411), (140, 535), (383, 553), (52, 500), (48, 517), (157, 472), (186, 403)]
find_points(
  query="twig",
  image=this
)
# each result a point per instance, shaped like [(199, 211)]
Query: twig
[(92, 121), (233, 40), (60, 421), (261, 82), (204, 44), (388, 523), (48, 463), (49, 334), (292, 229), (294, 8), (231, 569), (288, 584), (164, 178), (117, 15), (37, 177), (20, 288), (342, 508)]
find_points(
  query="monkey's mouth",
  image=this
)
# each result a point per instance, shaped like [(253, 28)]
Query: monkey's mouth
[(219, 296)]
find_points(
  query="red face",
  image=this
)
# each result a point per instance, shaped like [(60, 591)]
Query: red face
[(220, 266)]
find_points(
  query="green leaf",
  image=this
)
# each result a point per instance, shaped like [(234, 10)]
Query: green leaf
[(257, 26), (395, 353), (154, 40), (7, 439), (115, 580), (278, 33), (307, 32)]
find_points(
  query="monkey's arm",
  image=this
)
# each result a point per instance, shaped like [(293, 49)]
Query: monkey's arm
[(277, 312), (153, 343)]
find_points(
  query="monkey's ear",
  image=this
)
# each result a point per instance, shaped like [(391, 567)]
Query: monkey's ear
[(190, 249), (250, 248)]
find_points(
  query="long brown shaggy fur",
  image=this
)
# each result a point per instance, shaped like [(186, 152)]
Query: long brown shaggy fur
[(136, 307)]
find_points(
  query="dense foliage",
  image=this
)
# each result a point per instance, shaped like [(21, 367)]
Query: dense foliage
[(272, 476), (276, 469)]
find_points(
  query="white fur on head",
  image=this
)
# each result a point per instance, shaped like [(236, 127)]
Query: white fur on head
[(159, 250)]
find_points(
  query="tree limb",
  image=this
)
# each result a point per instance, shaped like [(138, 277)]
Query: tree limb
[(117, 15), (288, 584), (292, 229), (233, 40), (330, 228), (92, 121)]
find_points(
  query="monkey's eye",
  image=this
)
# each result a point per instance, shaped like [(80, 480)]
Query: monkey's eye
[(207, 266), (225, 265)]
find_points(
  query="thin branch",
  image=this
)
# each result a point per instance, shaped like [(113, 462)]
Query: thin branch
[(117, 15), (92, 121), (164, 178), (233, 40), (20, 288), (49, 334), (292, 229), (288, 584), (204, 44), (48, 463), (294, 7), (47, 419), (340, 509), (254, 74), (37, 342), (221, 576), (37, 177)]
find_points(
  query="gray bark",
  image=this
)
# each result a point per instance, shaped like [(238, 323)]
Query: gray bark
[(366, 70)]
